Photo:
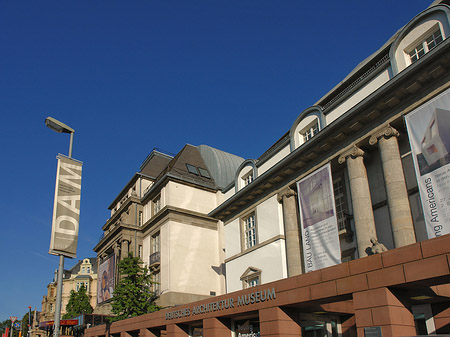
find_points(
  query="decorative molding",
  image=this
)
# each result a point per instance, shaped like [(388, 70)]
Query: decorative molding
[(353, 151), (387, 131), (286, 192)]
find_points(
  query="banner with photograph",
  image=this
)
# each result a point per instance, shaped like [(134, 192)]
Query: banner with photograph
[(429, 136), (318, 220), (105, 285), (66, 208)]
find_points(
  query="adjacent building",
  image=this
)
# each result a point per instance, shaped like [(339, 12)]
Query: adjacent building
[(84, 273), (340, 228), (162, 216)]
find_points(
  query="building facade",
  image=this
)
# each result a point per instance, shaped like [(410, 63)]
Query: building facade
[(371, 155), (84, 273), (162, 217)]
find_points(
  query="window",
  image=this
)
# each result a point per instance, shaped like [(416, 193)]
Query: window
[(192, 169), (204, 173), (88, 270), (339, 198), (310, 131), (156, 242), (140, 251), (157, 204), (250, 231), (156, 278), (51, 307), (248, 178), (426, 45), (251, 277), (140, 218)]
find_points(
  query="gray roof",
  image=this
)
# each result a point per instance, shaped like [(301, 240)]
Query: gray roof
[(222, 165)]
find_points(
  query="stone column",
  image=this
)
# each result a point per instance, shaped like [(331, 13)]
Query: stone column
[(175, 330), (276, 322), (381, 308), (291, 230), (214, 327), (397, 194), (361, 200), (143, 332), (125, 243)]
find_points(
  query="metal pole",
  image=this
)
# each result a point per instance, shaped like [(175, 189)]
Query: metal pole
[(59, 282), (70, 145), (29, 321)]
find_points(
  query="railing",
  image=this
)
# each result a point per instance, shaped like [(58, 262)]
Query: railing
[(155, 258)]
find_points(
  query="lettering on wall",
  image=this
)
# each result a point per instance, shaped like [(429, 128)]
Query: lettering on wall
[(225, 304)]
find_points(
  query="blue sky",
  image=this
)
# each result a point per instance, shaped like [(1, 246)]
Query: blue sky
[(133, 75)]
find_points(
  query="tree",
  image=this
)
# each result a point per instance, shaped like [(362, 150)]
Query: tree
[(132, 295), (78, 303)]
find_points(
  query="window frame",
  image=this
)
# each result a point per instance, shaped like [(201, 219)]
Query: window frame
[(422, 47), (247, 233), (251, 274)]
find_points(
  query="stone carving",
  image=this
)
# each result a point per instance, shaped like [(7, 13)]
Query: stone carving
[(353, 151), (388, 131), (377, 247)]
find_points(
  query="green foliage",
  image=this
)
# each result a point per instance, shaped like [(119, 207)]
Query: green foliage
[(5, 324), (78, 304), (132, 295), (24, 323)]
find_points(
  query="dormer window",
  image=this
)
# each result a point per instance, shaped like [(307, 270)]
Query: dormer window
[(425, 45), (248, 178), (310, 131), (192, 169)]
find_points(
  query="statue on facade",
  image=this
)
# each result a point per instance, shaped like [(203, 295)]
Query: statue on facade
[(377, 247)]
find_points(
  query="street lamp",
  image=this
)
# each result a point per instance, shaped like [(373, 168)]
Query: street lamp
[(59, 127)]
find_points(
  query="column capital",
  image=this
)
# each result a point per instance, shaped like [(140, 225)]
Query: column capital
[(286, 192), (386, 131), (353, 151)]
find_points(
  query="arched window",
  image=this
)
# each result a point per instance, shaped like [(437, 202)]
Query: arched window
[(306, 126)]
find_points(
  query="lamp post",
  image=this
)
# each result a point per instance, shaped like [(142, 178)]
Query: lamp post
[(59, 127), (29, 321)]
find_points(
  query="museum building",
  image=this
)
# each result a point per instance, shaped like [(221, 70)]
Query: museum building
[(342, 226)]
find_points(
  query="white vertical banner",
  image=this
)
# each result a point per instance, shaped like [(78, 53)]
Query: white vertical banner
[(66, 208), (318, 219), (429, 136)]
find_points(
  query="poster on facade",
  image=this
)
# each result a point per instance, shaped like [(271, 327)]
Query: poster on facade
[(66, 207), (105, 285), (429, 136), (318, 220)]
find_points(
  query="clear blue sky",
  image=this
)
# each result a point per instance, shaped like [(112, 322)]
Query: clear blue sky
[(132, 75)]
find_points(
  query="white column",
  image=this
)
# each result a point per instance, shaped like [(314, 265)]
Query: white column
[(361, 200)]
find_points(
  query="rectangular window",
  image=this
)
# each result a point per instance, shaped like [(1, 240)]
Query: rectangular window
[(156, 241), (248, 178), (157, 204), (253, 282), (426, 45), (250, 231), (156, 278), (310, 131), (339, 198), (140, 218)]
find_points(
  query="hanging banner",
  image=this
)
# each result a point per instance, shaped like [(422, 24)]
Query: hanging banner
[(105, 285), (318, 220), (429, 136), (66, 208)]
